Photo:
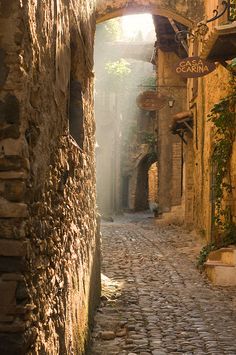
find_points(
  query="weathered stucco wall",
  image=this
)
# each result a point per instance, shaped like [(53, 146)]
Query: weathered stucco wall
[(184, 11), (49, 256)]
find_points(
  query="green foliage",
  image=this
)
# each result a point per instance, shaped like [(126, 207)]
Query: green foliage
[(150, 139), (119, 69), (233, 62), (109, 31), (232, 14), (224, 119), (203, 255)]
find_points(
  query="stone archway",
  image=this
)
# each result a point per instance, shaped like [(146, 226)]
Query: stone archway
[(142, 186), (186, 12)]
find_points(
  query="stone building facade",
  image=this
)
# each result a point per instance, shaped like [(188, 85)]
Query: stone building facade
[(49, 236), (203, 94)]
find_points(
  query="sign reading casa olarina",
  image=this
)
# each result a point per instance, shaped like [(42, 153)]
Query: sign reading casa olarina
[(194, 67)]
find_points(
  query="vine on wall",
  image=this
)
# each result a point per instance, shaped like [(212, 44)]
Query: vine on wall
[(223, 117)]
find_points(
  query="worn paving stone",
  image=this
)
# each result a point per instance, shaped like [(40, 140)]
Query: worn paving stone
[(154, 299)]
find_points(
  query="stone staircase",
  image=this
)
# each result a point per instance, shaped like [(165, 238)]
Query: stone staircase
[(221, 266)]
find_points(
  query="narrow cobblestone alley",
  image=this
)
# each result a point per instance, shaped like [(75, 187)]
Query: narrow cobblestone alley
[(154, 299)]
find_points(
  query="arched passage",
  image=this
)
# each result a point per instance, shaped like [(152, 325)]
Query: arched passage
[(142, 195), (186, 12)]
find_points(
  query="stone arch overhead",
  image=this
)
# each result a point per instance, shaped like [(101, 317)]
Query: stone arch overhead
[(144, 156), (187, 12)]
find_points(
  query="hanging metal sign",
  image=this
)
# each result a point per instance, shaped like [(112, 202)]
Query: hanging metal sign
[(194, 67), (151, 101)]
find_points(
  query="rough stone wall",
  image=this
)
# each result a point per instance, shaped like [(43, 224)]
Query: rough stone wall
[(169, 146), (199, 189), (49, 256), (177, 173), (211, 89), (184, 11)]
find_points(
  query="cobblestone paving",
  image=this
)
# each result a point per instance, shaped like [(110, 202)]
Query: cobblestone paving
[(154, 300)]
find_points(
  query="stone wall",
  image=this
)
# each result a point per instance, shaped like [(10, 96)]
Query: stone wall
[(184, 11), (210, 89), (169, 146), (49, 237), (199, 172)]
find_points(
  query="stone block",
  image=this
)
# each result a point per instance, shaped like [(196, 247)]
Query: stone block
[(12, 248), (11, 131), (12, 277), (22, 293), (11, 344), (12, 228), (14, 191), (7, 175), (8, 292), (10, 109), (12, 328), (14, 309), (11, 163), (11, 264), (220, 274), (14, 147), (6, 319), (11, 209), (2, 187), (4, 70)]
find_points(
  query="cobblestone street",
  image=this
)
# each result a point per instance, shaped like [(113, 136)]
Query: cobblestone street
[(154, 299)]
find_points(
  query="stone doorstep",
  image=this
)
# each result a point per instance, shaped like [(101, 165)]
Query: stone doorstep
[(223, 255), (221, 274)]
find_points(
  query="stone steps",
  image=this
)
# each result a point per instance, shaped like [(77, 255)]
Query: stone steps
[(224, 255), (221, 267)]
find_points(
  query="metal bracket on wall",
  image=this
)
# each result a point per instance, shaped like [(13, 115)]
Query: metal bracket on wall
[(230, 6), (177, 31), (181, 135)]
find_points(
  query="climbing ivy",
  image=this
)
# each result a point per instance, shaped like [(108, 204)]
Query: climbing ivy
[(150, 140), (223, 117), (232, 14)]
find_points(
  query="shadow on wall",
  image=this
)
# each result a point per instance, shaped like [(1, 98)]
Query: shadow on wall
[(142, 191), (76, 113)]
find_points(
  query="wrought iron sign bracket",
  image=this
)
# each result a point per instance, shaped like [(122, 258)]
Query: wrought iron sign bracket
[(230, 7), (202, 28)]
